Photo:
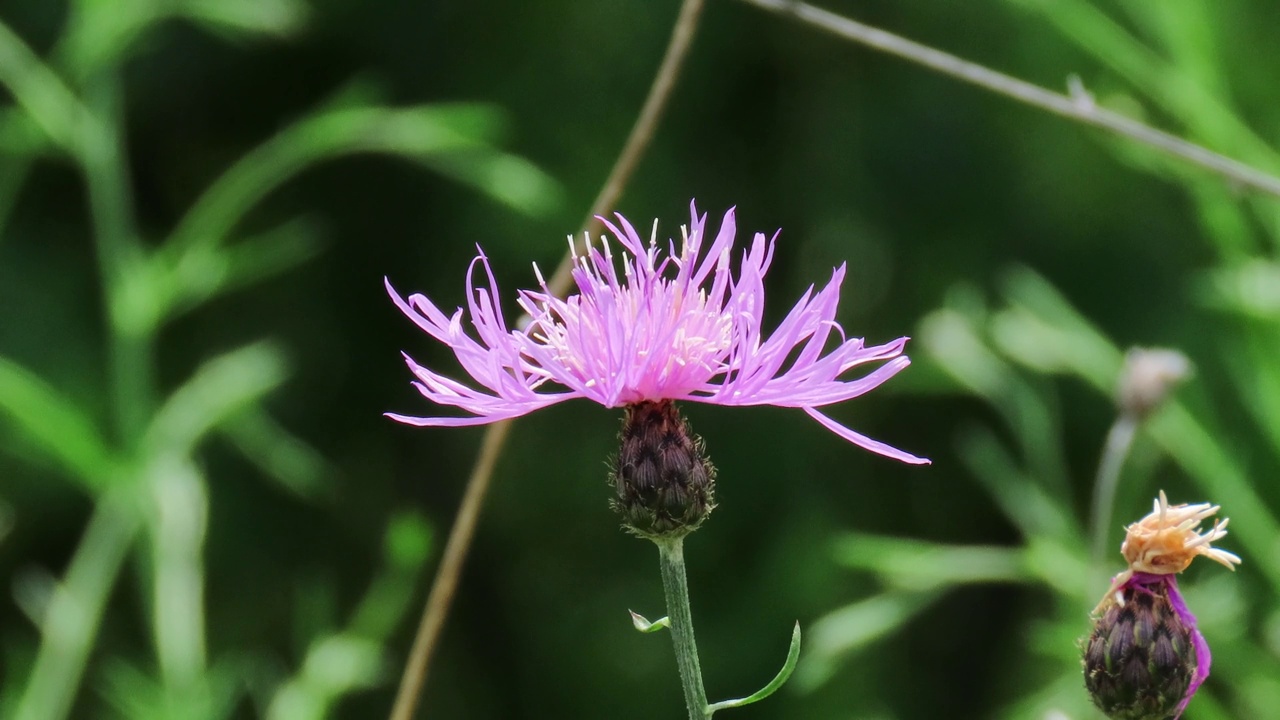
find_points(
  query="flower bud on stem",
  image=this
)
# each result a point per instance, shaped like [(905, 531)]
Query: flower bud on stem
[(665, 484), (665, 489), (1140, 657)]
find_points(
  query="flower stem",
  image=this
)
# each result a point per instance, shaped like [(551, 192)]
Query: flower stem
[(446, 582), (676, 589), (459, 542), (74, 614), (120, 257), (1079, 106), (1119, 441)]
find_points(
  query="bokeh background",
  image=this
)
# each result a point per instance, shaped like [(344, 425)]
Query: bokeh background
[(203, 513)]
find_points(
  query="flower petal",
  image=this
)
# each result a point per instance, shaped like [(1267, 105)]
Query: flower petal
[(865, 442)]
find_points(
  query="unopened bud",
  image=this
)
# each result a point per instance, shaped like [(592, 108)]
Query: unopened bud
[(1149, 375), (665, 484), (1145, 658), (1140, 658)]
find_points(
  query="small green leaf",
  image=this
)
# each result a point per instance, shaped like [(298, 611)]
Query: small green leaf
[(20, 136), (455, 139), (408, 541), (268, 17), (793, 655), (54, 425), (839, 634), (281, 455), (511, 180), (389, 599), (1250, 289), (209, 271), (645, 626), (219, 388), (99, 34), (41, 93), (921, 565), (335, 666)]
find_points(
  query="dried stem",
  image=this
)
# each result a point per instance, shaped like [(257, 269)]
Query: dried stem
[(460, 536), (446, 580), (1079, 106)]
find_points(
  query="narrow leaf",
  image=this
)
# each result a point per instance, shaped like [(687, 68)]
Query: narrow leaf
[(209, 271), (53, 425), (270, 17), (793, 655), (426, 134), (220, 388), (283, 456), (39, 90)]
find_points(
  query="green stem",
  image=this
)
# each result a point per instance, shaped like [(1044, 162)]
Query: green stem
[(177, 529), (120, 258), (71, 620), (1119, 441), (455, 551), (676, 588)]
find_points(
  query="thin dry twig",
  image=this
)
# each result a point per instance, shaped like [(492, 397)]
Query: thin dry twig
[(455, 552), (1078, 106)]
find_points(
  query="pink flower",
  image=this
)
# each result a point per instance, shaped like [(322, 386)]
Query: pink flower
[(651, 326)]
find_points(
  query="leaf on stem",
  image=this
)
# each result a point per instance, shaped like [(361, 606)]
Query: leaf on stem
[(268, 17), (20, 136), (920, 565), (406, 547), (218, 389), (1043, 331), (644, 626), (793, 655), (41, 93), (456, 139), (281, 455), (134, 692), (354, 658), (844, 632), (59, 429), (211, 271)]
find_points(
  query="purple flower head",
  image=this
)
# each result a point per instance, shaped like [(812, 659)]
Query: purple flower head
[(651, 325), (1146, 582), (1145, 669)]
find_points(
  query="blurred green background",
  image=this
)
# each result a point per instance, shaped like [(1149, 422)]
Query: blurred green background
[(204, 509)]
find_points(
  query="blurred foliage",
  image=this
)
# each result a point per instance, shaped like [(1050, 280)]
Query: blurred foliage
[(204, 515)]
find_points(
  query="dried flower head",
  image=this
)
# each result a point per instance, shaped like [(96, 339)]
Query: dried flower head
[(1146, 657), (649, 326), (1168, 539)]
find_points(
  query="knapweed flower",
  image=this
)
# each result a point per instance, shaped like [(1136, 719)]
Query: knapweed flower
[(1146, 658), (650, 326)]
